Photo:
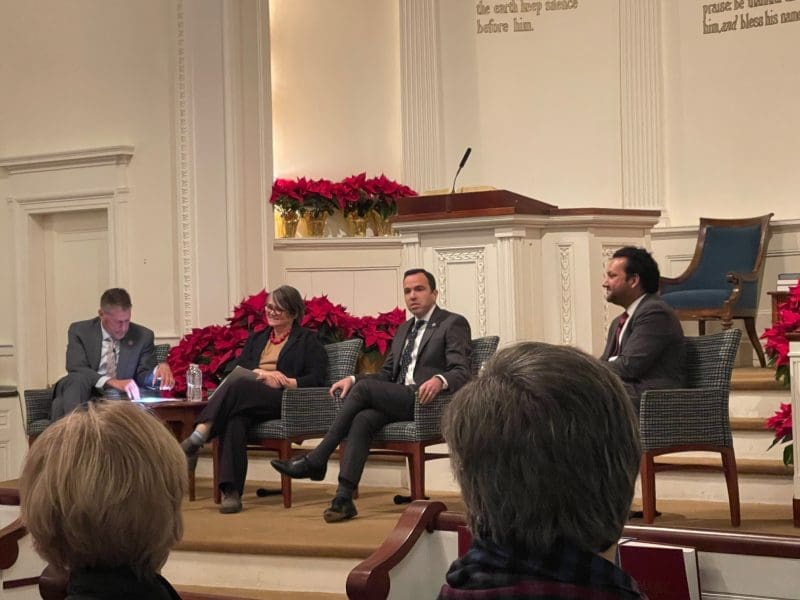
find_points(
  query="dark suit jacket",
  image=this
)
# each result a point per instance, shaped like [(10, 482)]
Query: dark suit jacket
[(652, 354), (302, 357), (136, 358), (444, 350)]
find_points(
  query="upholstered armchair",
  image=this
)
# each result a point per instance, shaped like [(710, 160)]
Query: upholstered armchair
[(305, 413), (692, 419), (724, 278), (411, 438), (39, 401)]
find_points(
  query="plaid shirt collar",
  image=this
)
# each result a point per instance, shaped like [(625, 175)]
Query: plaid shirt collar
[(486, 566)]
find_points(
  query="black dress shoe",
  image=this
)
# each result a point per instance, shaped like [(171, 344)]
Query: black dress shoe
[(300, 468), (340, 509)]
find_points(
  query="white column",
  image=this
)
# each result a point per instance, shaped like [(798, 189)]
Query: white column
[(421, 94), (518, 267), (641, 91)]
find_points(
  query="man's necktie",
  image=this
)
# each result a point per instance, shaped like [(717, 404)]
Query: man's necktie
[(408, 349), (110, 358), (617, 341)]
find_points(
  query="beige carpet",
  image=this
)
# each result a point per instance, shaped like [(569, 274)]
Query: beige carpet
[(265, 527)]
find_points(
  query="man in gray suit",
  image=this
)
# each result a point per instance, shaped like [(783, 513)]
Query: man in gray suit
[(645, 343), (108, 355), (429, 353)]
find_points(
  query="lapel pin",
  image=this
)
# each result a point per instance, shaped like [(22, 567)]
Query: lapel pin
[(130, 342)]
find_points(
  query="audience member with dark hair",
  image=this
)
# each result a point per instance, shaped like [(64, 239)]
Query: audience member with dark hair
[(101, 493), (283, 356), (429, 353), (545, 447), (645, 345), (108, 355)]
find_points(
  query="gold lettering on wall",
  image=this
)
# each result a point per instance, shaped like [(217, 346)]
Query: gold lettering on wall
[(516, 16), (738, 15)]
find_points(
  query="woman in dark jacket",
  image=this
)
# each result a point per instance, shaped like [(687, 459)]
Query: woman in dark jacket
[(283, 356)]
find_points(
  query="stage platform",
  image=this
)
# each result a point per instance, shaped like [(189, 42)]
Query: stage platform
[(269, 549)]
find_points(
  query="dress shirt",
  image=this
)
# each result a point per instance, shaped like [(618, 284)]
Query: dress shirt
[(108, 341), (630, 310)]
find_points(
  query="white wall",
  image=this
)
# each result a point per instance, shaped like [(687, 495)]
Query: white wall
[(87, 74), (731, 112), (335, 88)]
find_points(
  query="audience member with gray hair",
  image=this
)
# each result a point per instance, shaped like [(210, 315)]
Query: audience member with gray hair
[(545, 447), (101, 493)]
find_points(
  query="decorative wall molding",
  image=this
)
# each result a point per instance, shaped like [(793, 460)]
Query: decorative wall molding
[(68, 159), (6, 349), (421, 103), (566, 263), (641, 91), (183, 161), (476, 256)]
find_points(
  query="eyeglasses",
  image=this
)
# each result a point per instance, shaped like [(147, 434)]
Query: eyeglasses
[(276, 310)]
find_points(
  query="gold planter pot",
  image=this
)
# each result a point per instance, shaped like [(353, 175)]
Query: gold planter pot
[(358, 225), (315, 226), (380, 226), (290, 220)]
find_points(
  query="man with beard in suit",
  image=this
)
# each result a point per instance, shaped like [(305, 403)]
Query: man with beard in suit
[(645, 343), (429, 353), (108, 356)]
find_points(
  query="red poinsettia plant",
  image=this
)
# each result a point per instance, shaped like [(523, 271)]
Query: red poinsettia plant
[(301, 195), (354, 194), (385, 193), (214, 347), (777, 351)]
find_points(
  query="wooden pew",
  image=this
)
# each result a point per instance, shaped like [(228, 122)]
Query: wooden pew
[(413, 560)]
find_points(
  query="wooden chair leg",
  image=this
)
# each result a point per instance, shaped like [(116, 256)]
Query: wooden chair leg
[(285, 453), (750, 327), (215, 461), (416, 472), (191, 486), (647, 470), (732, 481), (701, 327)]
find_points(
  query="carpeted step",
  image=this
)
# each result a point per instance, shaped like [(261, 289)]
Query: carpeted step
[(755, 378)]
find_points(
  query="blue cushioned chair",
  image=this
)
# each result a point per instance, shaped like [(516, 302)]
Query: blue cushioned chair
[(724, 278)]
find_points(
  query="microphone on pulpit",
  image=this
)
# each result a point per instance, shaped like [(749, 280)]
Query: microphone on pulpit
[(460, 166)]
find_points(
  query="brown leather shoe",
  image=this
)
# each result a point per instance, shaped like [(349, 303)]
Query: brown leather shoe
[(340, 509)]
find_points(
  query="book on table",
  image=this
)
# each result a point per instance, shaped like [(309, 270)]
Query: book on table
[(663, 571)]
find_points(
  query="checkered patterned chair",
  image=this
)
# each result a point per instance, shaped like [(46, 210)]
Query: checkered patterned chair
[(410, 438), (39, 401), (692, 419), (305, 413)]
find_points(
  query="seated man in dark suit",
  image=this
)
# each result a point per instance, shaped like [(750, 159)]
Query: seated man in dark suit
[(545, 447), (645, 343), (429, 353), (108, 354)]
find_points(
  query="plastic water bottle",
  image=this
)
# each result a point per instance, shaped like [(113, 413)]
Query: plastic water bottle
[(194, 383)]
